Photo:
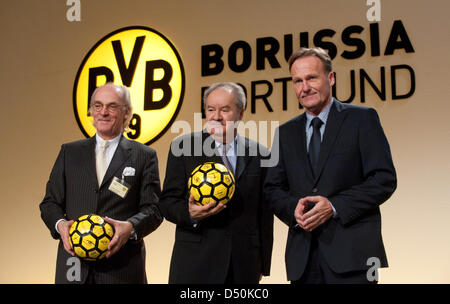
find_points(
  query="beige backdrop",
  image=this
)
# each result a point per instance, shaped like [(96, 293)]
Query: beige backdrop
[(41, 52)]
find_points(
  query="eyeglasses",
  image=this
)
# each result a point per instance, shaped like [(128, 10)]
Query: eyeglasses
[(111, 107)]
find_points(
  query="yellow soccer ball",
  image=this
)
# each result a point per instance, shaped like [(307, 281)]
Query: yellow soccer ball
[(211, 182), (89, 237)]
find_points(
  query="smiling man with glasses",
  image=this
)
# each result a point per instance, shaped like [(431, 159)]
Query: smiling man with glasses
[(80, 183), (111, 109)]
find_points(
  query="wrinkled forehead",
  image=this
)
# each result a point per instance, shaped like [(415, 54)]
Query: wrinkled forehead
[(222, 95), (108, 94)]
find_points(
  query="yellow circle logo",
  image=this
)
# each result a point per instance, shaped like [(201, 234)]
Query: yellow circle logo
[(149, 65)]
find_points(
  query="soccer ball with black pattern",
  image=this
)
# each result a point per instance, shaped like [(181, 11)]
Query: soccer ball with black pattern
[(89, 237), (211, 182)]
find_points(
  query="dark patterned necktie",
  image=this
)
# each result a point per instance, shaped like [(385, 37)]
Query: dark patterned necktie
[(314, 143), (225, 160)]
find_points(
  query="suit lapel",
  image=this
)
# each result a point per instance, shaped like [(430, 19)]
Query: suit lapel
[(243, 156), (298, 145), (209, 149), (332, 129), (89, 158), (120, 156)]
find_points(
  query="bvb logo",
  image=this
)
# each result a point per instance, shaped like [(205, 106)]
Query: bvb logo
[(149, 65)]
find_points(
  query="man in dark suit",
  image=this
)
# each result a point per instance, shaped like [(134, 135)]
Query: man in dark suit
[(334, 170), (79, 184), (220, 243)]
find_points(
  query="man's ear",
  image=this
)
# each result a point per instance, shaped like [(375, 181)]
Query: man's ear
[(331, 79)]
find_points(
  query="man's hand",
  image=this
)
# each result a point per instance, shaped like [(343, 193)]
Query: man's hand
[(198, 212), (122, 232), (316, 216), (64, 228)]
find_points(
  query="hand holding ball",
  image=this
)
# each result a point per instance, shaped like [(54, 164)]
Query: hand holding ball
[(211, 182), (89, 237)]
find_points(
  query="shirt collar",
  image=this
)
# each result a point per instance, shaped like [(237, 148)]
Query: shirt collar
[(232, 145), (322, 115), (113, 141)]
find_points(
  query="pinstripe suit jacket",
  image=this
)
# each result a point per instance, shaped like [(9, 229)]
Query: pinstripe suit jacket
[(73, 190)]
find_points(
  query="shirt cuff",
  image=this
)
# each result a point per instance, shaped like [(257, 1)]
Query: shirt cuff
[(56, 225), (133, 235), (194, 223), (334, 210)]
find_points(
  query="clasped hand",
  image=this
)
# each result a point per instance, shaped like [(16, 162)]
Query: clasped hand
[(316, 216)]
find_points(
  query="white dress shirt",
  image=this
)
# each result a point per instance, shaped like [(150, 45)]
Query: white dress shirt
[(113, 144)]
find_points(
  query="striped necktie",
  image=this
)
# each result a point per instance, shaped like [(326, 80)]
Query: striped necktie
[(225, 160)]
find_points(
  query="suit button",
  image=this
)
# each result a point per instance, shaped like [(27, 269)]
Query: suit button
[(314, 190)]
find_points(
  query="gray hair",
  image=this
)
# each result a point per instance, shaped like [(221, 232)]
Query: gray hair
[(237, 90), (124, 95)]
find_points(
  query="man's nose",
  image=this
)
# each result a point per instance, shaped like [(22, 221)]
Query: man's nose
[(104, 111), (306, 87), (217, 116)]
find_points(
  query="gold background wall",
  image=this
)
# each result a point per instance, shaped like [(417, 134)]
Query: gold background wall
[(41, 52)]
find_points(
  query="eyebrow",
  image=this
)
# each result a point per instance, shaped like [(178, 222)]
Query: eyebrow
[(99, 101), (227, 106)]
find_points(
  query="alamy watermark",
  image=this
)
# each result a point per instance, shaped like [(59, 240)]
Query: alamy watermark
[(73, 274), (262, 131), (374, 12), (372, 273), (74, 11)]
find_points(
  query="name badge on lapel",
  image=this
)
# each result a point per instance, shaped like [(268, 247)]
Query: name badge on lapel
[(119, 187)]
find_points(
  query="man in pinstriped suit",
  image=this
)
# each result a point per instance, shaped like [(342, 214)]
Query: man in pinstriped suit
[(76, 188)]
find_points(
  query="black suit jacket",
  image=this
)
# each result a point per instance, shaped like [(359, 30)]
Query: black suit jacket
[(73, 190), (356, 174), (242, 234)]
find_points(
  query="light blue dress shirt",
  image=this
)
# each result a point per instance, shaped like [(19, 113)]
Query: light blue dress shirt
[(231, 152), (323, 116)]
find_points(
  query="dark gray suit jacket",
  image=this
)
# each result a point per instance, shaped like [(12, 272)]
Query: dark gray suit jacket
[(73, 190), (356, 174), (241, 234)]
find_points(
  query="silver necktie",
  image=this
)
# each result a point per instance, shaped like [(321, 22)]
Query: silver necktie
[(101, 163)]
